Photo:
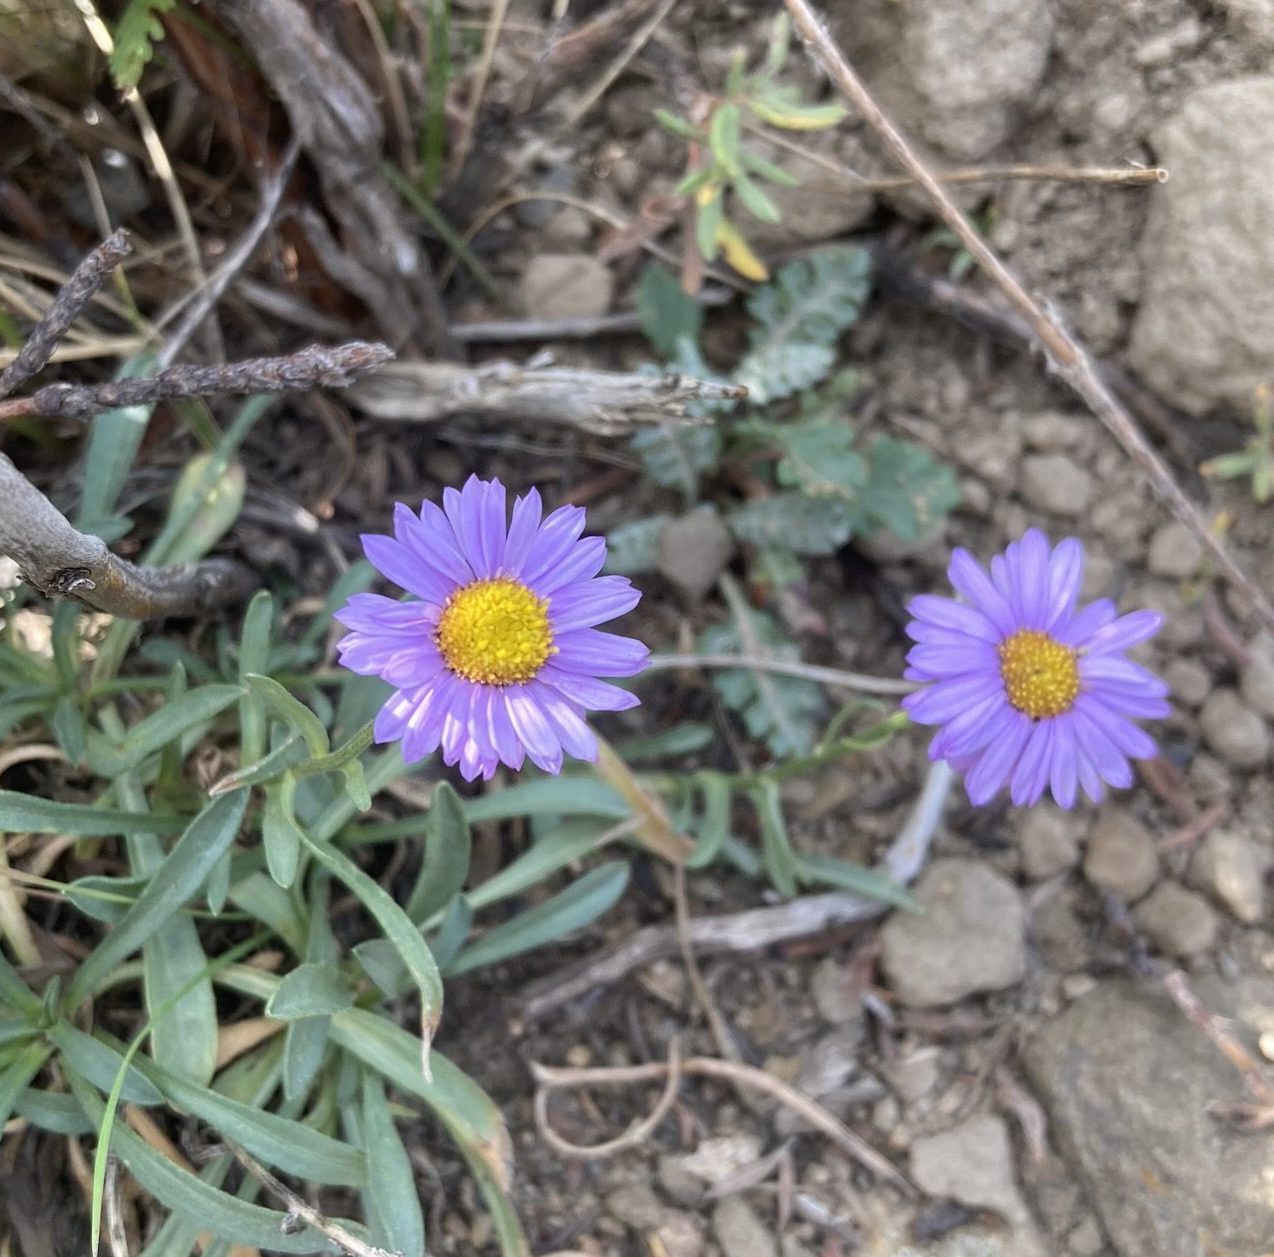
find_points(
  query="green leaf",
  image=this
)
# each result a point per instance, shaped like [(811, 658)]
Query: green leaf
[(799, 318), (99, 1063), (24, 813), (17, 1074), (723, 135), (254, 654), (381, 963), (175, 881), (578, 905), (870, 883), (15, 994), (768, 170), (781, 710), (633, 548), (138, 31), (678, 126), (781, 106), (677, 457), (795, 521), (668, 316), (157, 730), (304, 1051), (393, 1202), (445, 861), (714, 825), (291, 711), (310, 990), (116, 435), (677, 740), (907, 490), (570, 795), (709, 216), (70, 728), (777, 857), (457, 921), (210, 496), (264, 901), (819, 458), (280, 834), (755, 201), (54, 1111)]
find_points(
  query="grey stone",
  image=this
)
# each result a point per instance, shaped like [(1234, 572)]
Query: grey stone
[(715, 1159), (957, 74), (679, 1183), (1231, 868), (1189, 681), (740, 1231), (693, 551), (680, 1234), (1061, 935), (834, 996), (916, 1075), (1234, 731), (1256, 679), (1206, 317), (1055, 483), (967, 938), (1085, 1238), (1052, 430), (1122, 857), (1176, 920), (971, 1163), (1047, 842), (1127, 1083), (1174, 551), (566, 285), (822, 205), (636, 1205)]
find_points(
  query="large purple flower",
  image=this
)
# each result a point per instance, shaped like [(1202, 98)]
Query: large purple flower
[(1028, 690), (499, 658)]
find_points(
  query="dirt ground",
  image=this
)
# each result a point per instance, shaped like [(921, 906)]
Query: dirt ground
[(1016, 1052)]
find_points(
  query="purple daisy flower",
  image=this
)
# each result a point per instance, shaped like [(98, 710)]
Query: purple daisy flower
[(1027, 689), (499, 658)]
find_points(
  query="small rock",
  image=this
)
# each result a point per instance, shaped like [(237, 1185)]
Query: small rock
[(1047, 842), (1256, 683), (740, 1231), (834, 996), (1174, 551), (1122, 857), (1085, 1239), (566, 285), (1055, 483), (680, 1234), (1176, 920), (678, 1182), (1231, 868), (714, 1160), (915, 1076), (636, 1205), (967, 938), (1052, 431), (820, 207), (1205, 320), (1235, 732), (1189, 681), (1061, 936), (971, 1163), (693, 551), (830, 1062)]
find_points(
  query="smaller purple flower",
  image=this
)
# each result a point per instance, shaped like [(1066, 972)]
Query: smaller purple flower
[(498, 657), (1028, 690)]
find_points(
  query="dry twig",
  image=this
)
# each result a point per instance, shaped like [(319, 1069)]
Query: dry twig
[(1067, 357), (837, 678)]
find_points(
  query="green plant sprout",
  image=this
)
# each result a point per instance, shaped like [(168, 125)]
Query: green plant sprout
[(1256, 458), (721, 166)]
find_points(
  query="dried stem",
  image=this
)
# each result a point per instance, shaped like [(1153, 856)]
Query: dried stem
[(317, 366), (835, 677), (76, 293), (1066, 356)]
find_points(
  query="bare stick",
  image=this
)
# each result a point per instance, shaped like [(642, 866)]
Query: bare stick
[(609, 403), (335, 367), (299, 1211), (756, 928), (76, 293), (835, 677), (1066, 356), (549, 1079)]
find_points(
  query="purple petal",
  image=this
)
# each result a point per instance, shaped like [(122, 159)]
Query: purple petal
[(491, 526), (582, 562), (1106, 673), (1063, 774), (503, 737), (1004, 578), (946, 699), (374, 613), (1089, 778), (576, 737), (537, 735), (1110, 762), (600, 654), (997, 762), (423, 727), (1126, 631), (967, 575), (1033, 572), (1131, 741), (391, 719), (600, 600), (953, 661), (522, 532), (434, 541), (1143, 707), (393, 559), (1031, 774), (557, 534), (1088, 620), (1065, 574), (969, 732), (947, 614), (587, 692)]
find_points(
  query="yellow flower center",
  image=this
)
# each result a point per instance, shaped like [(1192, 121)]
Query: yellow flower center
[(495, 632), (1040, 675)]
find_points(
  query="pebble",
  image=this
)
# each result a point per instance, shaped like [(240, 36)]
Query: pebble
[(1234, 731), (968, 936), (1061, 935), (1055, 483), (833, 993), (1231, 868), (740, 1231), (1052, 431), (636, 1205), (1256, 680), (1047, 841), (714, 1160), (916, 1075), (1189, 681), (693, 551), (971, 1163), (1174, 551), (1176, 920), (680, 1234), (1085, 1239), (566, 285), (1122, 857)]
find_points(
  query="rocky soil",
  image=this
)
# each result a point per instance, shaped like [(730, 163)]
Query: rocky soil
[(1013, 1049)]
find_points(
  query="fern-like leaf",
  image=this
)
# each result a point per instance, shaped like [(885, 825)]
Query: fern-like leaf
[(796, 522), (139, 30)]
